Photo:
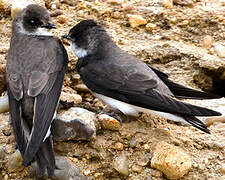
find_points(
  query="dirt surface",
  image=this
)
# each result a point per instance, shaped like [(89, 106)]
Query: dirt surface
[(179, 24)]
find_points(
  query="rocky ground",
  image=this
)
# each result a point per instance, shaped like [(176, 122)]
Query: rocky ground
[(185, 39)]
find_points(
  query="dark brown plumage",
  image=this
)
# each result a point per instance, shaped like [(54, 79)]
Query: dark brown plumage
[(36, 65)]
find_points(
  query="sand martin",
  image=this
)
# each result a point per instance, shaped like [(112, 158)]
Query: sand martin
[(36, 65), (128, 84)]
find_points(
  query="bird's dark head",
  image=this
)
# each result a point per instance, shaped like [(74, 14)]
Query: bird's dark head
[(35, 20), (85, 37)]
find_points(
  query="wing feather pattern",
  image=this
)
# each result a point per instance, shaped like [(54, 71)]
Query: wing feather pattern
[(17, 122), (140, 91), (45, 105), (41, 75)]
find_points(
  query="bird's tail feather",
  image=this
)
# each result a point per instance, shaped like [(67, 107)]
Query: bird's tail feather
[(45, 158), (196, 123), (180, 91)]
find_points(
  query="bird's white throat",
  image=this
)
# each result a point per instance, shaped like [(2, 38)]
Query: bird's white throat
[(80, 53), (39, 32)]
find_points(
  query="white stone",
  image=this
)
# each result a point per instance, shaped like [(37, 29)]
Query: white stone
[(220, 50)]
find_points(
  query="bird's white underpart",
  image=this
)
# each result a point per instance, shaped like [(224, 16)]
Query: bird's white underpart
[(133, 110), (80, 53)]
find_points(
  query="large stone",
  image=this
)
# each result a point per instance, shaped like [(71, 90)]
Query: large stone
[(86, 119), (171, 160), (74, 129), (136, 20), (65, 170)]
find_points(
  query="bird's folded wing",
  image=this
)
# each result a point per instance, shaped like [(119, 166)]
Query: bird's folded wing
[(46, 89), (137, 89), (15, 114)]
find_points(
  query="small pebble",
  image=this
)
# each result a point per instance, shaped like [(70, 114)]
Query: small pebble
[(136, 20), (167, 3), (150, 27), (56, 13), (201, 166), (81, 88), (143, 161), (108, 122), (156, 173), (75, 78), (173, 20), (185, 23), (146, 147), (116, 15), (207, 42), (53, 6), (119, 146), (128, 6), (220, 50), (62, 19), (115, 2), (87, 172), (132, 143), (136, 168), (120, 165), (188, 3), (222, 169)]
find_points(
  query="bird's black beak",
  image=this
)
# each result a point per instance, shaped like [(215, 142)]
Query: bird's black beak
[(49, 26), (67, 37)]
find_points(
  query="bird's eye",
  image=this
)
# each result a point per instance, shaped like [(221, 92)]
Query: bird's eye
[(32, 22)]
